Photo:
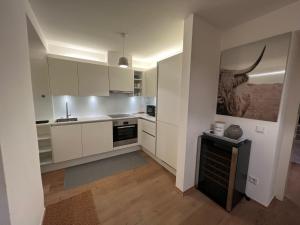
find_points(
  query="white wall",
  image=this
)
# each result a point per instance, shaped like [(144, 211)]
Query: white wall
[(264, 152), (39, 75), (4, 211), (17, 131), (277, 22), (200, 70), (289, 117), (96, 106)]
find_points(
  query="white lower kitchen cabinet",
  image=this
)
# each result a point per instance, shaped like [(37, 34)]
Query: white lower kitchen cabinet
[(148, 142), (148, 127), (146, 135), (97, 138), (66, 142), (167, 143)]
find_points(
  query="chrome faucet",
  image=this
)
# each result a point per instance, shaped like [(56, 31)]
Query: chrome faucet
[(67, 111)]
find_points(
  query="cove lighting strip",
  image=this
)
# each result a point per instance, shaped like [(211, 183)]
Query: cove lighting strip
[(279, 72)]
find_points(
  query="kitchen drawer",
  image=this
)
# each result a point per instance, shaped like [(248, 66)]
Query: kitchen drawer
[(149, 127), (148, 142)]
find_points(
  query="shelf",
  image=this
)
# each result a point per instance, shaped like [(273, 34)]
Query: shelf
[(45, 150), (137, 79), (44, 137)]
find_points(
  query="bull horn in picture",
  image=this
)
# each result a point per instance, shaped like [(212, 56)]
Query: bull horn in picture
[(250, 68)]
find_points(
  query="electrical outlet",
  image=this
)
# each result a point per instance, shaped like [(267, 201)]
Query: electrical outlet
[(260, 129), (253, 180)]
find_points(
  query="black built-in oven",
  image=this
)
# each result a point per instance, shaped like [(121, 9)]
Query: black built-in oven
[(124, 132)]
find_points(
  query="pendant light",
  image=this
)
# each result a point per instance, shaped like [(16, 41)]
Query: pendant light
[(123, 61)]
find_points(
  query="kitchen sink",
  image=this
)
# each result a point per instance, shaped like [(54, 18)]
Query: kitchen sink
[(66, 120)]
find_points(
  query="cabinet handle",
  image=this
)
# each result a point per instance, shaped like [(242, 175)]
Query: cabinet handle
[(123, 127), (148, 133)]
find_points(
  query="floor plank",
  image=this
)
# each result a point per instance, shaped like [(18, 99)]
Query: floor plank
[(147, 196)]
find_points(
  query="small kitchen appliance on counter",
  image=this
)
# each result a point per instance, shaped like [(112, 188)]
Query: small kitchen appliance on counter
[(151, 110)]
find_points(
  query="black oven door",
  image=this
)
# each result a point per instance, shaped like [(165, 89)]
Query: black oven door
[(125, 134)]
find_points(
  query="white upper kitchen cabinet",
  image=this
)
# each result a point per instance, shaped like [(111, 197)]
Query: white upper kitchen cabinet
[(63, 77), (93, 80), (97, 138), (66, 142), (120, 79), (150, 83), (169, 84)]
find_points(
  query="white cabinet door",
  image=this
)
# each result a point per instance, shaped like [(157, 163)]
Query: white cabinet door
[(63, 77), (167, 143), (66, 142), (150, 79), (148, 142), (120, 79), (93, 80), (169, 84), (149, 127), (97, 138)]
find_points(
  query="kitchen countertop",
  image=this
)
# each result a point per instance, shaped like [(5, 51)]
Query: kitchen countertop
[(104, 118)]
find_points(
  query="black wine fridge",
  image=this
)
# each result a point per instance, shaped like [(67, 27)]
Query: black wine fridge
[(223, 169)]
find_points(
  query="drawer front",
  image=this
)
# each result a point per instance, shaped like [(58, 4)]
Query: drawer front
[(148, 127), (148, 142)]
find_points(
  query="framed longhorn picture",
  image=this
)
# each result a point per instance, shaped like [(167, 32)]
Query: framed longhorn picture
[(251, 79)]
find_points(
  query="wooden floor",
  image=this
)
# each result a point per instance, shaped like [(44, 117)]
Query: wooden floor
[(147, 196)]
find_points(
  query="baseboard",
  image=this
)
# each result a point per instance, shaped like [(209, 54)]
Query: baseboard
[(75, 162), (162, 163), (186, 192)]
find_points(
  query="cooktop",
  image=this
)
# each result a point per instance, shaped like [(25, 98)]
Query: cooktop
[(119, 115)]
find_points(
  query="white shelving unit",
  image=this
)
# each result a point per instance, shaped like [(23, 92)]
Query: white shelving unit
[(138, 83), (44, 141)]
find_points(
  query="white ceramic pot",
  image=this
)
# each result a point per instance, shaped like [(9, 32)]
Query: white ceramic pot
[(219, 128)]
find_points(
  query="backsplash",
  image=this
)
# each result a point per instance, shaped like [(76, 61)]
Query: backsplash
[(95, 106)]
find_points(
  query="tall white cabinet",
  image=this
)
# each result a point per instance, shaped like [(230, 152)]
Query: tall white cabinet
[(168, 103)]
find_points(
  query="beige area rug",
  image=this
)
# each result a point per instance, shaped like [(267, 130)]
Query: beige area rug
[(77, 210)]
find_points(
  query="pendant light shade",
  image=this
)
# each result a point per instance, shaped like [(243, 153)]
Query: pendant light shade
[(123, 61)]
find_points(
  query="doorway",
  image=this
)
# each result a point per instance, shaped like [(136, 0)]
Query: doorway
[(293, 179)]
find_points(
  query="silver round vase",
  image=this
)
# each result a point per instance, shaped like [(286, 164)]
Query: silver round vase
[(233, 132)]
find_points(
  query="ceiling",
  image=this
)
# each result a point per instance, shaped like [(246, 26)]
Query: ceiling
[(153, 25)]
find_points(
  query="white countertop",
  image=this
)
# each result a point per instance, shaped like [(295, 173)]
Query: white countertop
[(104, 118)]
